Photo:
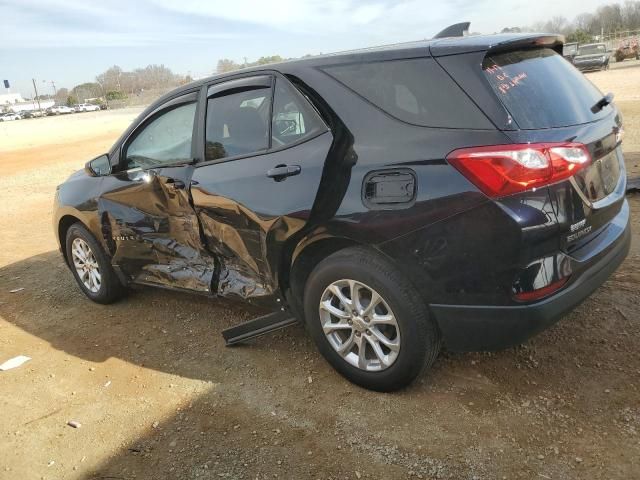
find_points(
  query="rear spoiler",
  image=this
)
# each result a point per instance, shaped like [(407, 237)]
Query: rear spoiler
[(496, 43), (456, 30)]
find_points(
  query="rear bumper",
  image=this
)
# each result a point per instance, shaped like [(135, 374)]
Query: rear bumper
[(584, 67), (479, 327)]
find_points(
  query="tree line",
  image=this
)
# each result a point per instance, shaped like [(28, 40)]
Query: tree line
[(607, 19), (226, 65), (118, 84)]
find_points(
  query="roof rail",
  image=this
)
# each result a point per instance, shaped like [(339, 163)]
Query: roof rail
[(455, 30)]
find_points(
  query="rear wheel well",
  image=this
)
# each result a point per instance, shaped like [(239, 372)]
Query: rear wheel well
[(304, 264), (63, 226)]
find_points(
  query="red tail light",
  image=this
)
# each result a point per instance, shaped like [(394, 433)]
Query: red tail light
[(501, 170), (541, 292)]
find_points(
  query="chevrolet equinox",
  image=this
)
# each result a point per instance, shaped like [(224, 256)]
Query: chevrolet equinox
[(462, 192)]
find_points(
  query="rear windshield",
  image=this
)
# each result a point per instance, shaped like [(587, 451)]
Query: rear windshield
[(540, 89), (416, 91), (592, 50)]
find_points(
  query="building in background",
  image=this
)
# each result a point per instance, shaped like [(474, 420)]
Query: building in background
[(10, 98), (15, 103)]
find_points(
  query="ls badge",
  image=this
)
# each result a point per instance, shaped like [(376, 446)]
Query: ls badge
[(577, 230)]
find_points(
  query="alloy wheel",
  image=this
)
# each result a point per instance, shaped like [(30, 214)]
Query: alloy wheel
[(86, 265), (359, 325)]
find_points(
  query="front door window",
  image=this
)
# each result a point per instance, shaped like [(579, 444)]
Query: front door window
[(166, 140)]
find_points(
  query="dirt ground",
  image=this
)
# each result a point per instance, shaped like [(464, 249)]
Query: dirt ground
[(159, 396)]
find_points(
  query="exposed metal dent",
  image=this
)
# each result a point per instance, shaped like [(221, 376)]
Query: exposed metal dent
[(241, 239), (178, 275), (234, 282)]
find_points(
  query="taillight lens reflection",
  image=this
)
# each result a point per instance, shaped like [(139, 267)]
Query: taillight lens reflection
[(540, 293), (501, 170)]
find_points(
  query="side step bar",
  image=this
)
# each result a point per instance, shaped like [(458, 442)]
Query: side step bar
[(258, 327)]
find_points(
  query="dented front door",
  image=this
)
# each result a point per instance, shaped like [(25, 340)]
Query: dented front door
[(145, 207), (153, 231)]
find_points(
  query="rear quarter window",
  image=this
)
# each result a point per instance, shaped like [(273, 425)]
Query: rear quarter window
[(540, 89), (416, 91)]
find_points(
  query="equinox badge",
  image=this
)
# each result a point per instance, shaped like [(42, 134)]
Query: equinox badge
[(579, 231)]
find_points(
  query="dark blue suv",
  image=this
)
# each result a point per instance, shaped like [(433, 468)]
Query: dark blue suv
[(464, 192)]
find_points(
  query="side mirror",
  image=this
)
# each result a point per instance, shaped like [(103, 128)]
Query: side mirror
[(98, 166)]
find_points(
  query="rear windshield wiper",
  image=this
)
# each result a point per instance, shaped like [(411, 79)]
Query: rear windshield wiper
[(603, 102)]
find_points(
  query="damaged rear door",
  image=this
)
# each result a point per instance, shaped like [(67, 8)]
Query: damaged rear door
[(264, 151), (147, 217)]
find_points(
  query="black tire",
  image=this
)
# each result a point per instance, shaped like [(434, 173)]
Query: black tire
[(420, 339), (110, 289)]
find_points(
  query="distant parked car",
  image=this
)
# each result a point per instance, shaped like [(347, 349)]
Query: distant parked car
[(33, 113), (60, 110), (86, 107), (628, 49), (592, 56), (569, 51), (8, 117)]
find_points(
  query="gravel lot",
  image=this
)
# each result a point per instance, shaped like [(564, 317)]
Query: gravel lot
[(159, 396)]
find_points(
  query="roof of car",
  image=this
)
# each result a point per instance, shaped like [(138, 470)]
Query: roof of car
[(437, 47), (434, 47)]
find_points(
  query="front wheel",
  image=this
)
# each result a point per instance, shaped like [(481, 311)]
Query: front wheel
[(91, 267), (368, 320)]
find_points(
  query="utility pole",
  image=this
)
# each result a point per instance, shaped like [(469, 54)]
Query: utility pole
[(55, 92), (104, 93), (36, 90)]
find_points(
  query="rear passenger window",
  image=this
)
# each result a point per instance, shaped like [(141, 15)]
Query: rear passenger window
[(416, 91), (293, 117), (237, 123)]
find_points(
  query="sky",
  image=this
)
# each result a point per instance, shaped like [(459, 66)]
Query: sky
[(71, 41)]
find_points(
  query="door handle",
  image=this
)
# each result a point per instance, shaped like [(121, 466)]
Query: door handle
[(280, 172), (177, 184)]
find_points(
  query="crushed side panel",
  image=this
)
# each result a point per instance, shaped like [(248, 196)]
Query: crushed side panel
[(153, 235)]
